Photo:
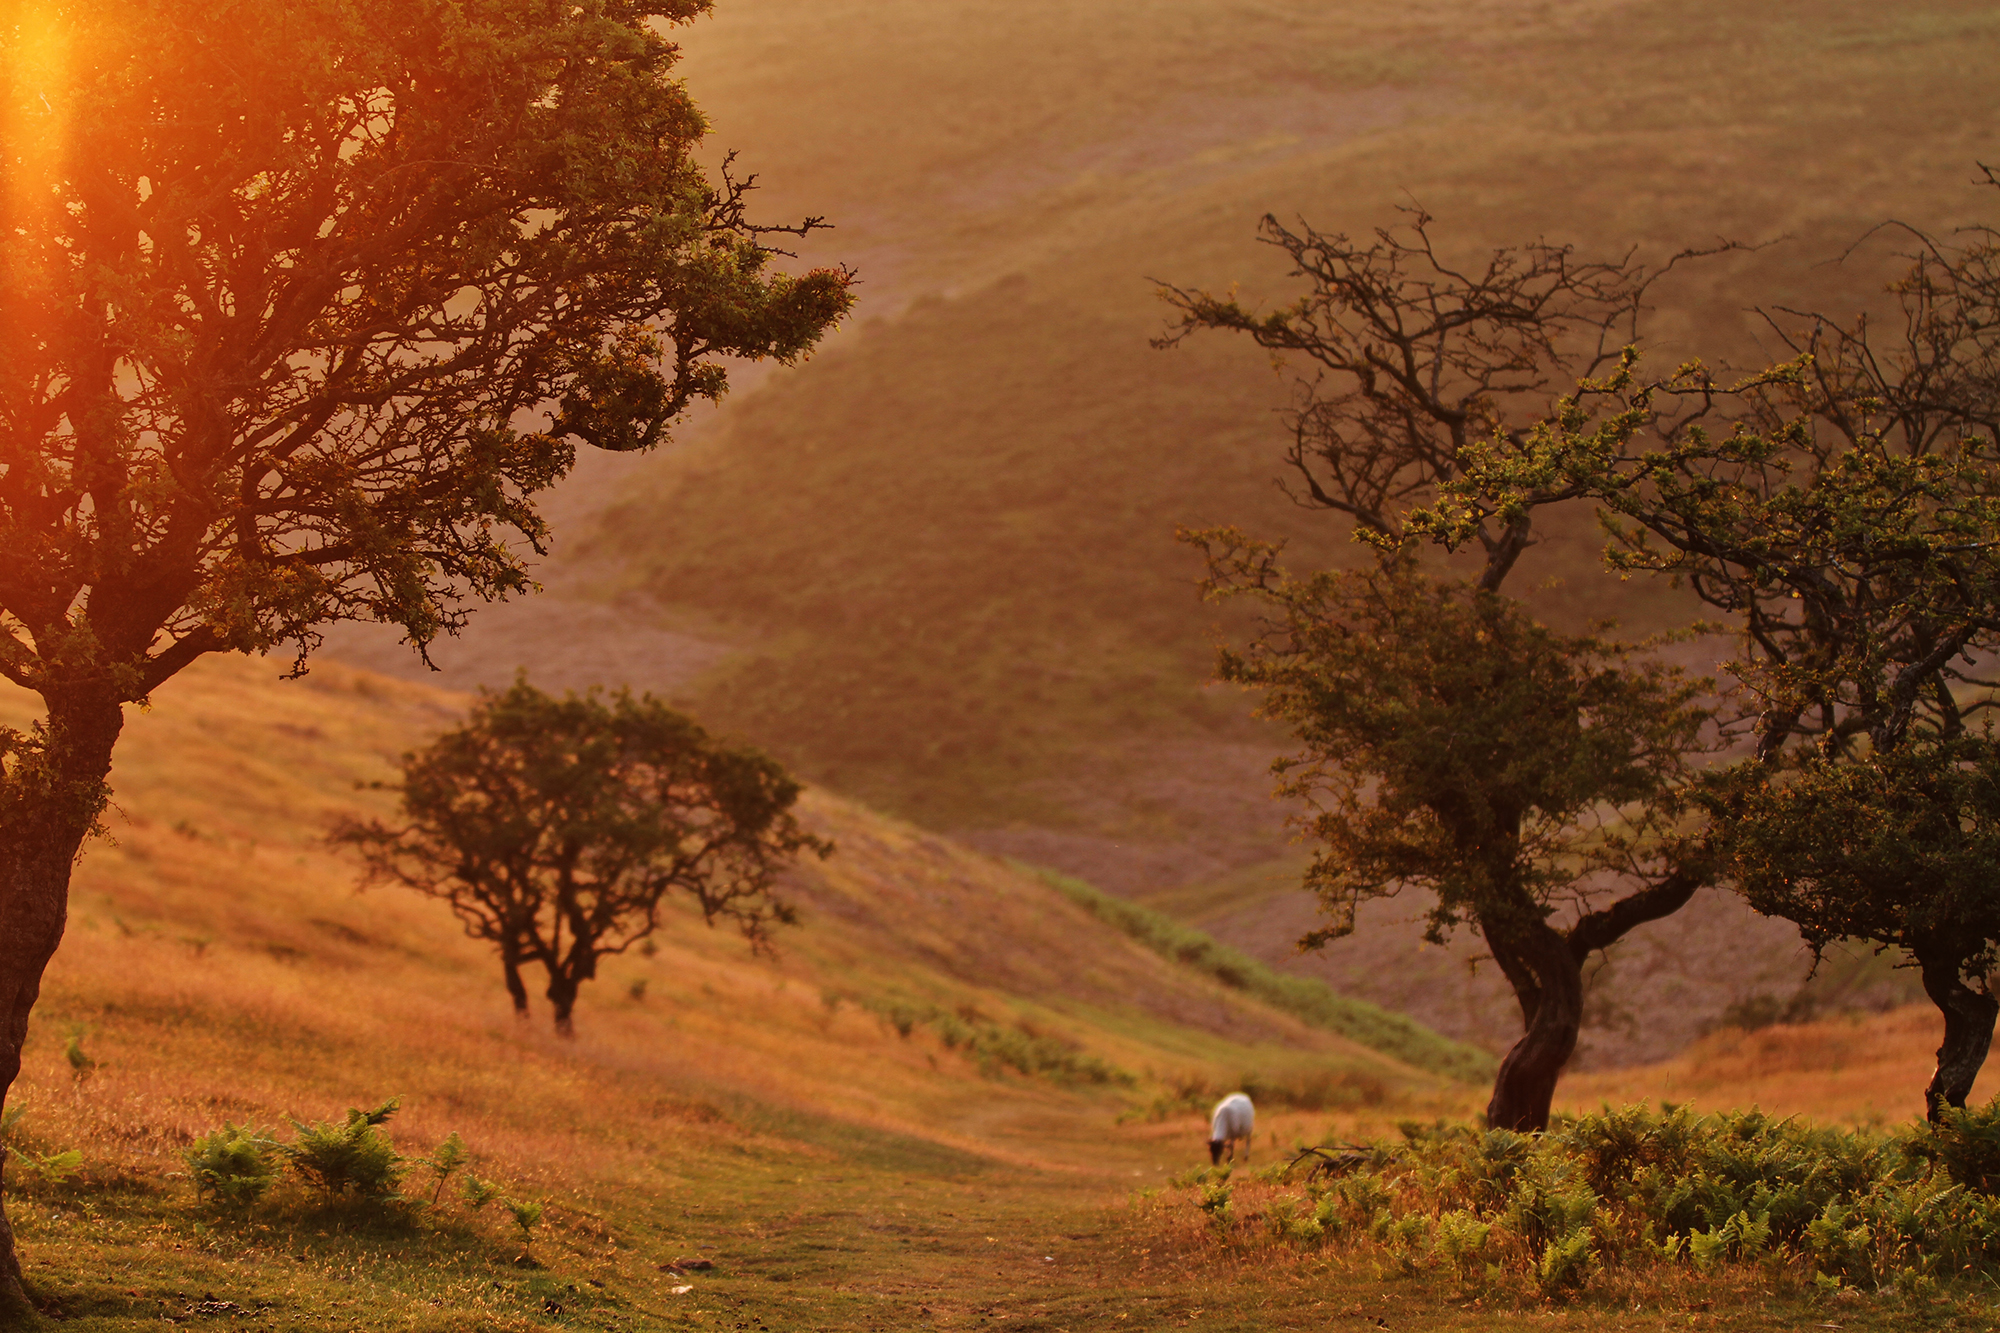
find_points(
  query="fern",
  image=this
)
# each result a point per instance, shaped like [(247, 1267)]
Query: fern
[(354, 1157), (234, 1164)]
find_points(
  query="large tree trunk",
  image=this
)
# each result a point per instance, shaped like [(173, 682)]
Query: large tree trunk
[(50, 798), (1545, 968), (1968, 1028), (1548, 982)]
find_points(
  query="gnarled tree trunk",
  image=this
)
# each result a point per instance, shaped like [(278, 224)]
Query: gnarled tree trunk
[(1545, 967), (50, 796), (566, 982), (1968, 1027), (562, 994), (1548, 982)]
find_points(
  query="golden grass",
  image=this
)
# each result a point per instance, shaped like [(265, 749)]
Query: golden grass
[(221, 966), (1860, 1070), (224, 966)]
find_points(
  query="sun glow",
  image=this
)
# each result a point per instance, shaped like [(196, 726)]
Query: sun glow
[(37, 66)]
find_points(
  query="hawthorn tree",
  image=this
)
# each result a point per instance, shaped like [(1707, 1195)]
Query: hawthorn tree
[(1842, 510), (1530, 781), (1897, 846), (301, 306), (1448, 741), (557, 828)]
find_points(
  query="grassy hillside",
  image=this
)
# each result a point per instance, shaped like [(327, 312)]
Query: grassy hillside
[(944, 548), (769, 1118), (1713, 963), (220, 966), (934, 568), (1313, 1000)]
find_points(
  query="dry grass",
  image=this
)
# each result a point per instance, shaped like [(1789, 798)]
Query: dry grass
[(1861, 1070), (220, 966), (216, 914)]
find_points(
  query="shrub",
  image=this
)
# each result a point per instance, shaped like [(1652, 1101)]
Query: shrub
[(235, 1164), (1459, 1242), (1631, 1188), (1965, 1141), (355, 1157), (1215, 1201), (525, 1216), (81, 1066), (51, 1168)]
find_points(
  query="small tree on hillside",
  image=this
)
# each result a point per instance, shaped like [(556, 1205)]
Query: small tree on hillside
[(1500, 800), (557, 829), (1846, 515), (301, 305)]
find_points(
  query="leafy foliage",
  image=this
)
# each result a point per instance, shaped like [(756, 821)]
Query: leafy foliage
[(478, 1193), (1447, 741), (51, 1167), (295, 203), (1629, 1189), (1965, 1141), (445, 1161), (351, 1157), (81, 1065), (235, 1164), (301, 309), (558, 828), (1843, 510), (525, 1215), (1450, 742)]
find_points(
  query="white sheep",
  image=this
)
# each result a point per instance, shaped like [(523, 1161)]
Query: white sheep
[(1235, 1118)]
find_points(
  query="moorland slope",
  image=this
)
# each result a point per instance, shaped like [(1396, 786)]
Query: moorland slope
[(934, 568), (762, 1115)]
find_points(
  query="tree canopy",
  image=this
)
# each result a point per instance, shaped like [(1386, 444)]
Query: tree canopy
[(302, 303), (1447, 741), (557, 829), (301, 307), (1843, 510), (1530, 781)]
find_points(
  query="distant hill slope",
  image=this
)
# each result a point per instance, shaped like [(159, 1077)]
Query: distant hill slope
[(934, 568), (944, 548)]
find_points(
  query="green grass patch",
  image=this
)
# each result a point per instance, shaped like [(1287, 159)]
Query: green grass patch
[(995, 1047), (1313, 1001)]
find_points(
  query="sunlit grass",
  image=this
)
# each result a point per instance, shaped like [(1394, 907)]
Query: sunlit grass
[(220, 967)]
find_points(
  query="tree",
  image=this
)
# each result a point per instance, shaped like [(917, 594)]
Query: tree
[(1843, 510), (1896, 846), (1451, 744), (1501, 799), (557, 828), (301, 307), (1416, 360)]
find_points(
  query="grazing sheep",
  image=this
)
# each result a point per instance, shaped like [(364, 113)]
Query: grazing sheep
[(1235, 1118)]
